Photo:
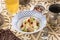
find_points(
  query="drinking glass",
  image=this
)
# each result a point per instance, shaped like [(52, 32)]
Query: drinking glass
[(12, 6)]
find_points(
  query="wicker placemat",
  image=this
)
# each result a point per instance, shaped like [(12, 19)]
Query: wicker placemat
[(53, 32)]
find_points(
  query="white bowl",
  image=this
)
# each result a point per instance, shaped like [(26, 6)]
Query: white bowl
[(22, 15)]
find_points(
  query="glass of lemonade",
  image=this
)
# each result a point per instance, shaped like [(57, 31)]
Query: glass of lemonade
[(12, 6)]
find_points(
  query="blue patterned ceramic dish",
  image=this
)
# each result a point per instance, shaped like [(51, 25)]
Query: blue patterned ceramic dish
[(17, 20)]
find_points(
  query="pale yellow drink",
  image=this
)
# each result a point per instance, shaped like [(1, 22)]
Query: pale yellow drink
[(12, 6)]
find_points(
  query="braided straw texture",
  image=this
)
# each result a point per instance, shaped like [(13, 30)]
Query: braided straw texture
[(53, 32)]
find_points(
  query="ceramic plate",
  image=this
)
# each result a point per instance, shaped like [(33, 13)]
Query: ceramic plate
[(17, 20)]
